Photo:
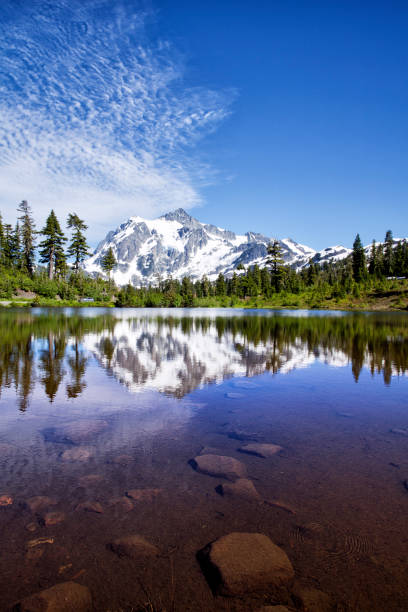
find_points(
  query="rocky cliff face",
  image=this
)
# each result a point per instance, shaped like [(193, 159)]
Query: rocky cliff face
[(178, 245)]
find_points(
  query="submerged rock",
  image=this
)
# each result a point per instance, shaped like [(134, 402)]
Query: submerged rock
[(123, 504), (219, 466), (278, 608), (241, 563), (234, 395), (400, 431), (75, 432), (133, 546), (260, 450), (6, 500), (122, 460), (143, 494), (64, 597), (6, 449), (77, 454), (40, 502), (90, 506), (90, 479), (311, 599), (242, 436), (53, 518), (40, 541), (242, 488)]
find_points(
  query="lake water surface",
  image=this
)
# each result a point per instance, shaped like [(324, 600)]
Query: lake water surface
[(102, 411)]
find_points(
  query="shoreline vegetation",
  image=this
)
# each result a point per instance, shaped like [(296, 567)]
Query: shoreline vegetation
[(390, 295), (374, 280)]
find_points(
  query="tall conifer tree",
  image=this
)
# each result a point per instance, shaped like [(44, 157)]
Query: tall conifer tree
[(275, 260), (27, 237), (78, 248), (108, 262), (52, 248), (388, 254), (359, 261)]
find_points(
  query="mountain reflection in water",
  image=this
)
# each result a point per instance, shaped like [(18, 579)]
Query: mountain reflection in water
[(176, 354)]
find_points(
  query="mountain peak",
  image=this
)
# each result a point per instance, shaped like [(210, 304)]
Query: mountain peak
[(179, 215)]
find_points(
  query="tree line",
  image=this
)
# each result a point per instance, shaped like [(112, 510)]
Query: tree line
[(333, 280)]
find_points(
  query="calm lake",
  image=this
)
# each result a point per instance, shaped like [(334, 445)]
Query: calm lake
[(104, 413)]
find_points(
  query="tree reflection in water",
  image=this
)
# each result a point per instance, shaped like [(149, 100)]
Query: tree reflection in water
[(176, 354)]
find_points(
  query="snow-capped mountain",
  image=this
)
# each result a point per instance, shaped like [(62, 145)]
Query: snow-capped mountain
[(178, 245)]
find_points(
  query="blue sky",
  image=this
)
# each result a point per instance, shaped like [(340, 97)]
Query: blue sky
[(287, 118)]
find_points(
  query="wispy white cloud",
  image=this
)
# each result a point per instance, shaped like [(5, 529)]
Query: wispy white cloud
[(94, 116)]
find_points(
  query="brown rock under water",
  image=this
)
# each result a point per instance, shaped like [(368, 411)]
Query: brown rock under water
[(219, 466), (123, 504), (311, 599), (6, 500), (64, 597), (241, 563), (143, 494), (90, 479), (90, 506), (260, 450), (77, 454), (53, 518), (40, 502), (76, 432), (242, 488), (134, 546)]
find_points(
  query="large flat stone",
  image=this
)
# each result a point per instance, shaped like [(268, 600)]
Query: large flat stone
[(75, 432), (40, 502), (64, 597), (260, 450), (219, 466), (241, 563), (242, 488), (134, 546), (146, 495), (77, 454)]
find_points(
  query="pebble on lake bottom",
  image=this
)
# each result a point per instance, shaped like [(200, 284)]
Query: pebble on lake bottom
[(6, 500)]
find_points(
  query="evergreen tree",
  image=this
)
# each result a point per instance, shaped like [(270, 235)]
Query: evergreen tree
[(8, 245), (205, 286), (27, 237), (275, 260), (16, 247), (388, 254), (399, 259), (373, 267), (187, 291), (108, 262), (1, 240), (52, 248), (358, 259), (220, 285), (78, 248)]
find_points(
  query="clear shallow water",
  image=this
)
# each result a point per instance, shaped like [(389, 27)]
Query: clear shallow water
[(161, 386)]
